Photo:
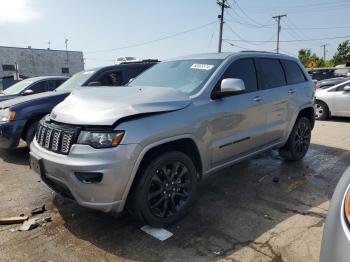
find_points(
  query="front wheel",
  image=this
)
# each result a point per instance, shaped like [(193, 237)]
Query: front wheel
[(298, 142), (30, 134), (164, 190)]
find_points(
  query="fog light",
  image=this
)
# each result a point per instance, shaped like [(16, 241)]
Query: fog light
[(88, 177)]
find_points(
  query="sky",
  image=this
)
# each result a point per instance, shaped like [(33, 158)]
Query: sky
[(107, 29)]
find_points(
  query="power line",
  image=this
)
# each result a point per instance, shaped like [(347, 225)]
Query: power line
[(291, 41), (153, 41)]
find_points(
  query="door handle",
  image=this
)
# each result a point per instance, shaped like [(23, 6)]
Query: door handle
[(291, 91), (257, 99)]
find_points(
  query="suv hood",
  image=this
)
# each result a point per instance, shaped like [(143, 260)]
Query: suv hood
[(24, 99), (106, 105)]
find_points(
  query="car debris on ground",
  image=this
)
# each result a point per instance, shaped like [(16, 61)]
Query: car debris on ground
[(12, 220)]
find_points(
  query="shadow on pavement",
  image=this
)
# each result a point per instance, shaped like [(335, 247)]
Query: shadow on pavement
[(233, 208), (18, 156)]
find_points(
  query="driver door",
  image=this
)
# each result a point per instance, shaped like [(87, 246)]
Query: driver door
[(238, 125)]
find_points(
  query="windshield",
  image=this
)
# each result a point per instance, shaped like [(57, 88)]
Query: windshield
[(75, 81), (187, 76), (17, 88)]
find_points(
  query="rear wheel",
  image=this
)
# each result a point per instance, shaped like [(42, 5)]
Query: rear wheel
[(298, 142), (165, 190), (30, 134), (321, 110)]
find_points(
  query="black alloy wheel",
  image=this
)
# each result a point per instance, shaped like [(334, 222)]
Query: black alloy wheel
[(164, 190), (298, 142), (170, 189)]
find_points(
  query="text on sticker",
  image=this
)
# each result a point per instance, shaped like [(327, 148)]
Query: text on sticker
[(202, 66)]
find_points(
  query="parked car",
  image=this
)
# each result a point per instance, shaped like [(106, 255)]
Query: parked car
[(336, 233), (324, 84), (146, 145), (328, 72), (32, 86), (19, 117), (333, 101)]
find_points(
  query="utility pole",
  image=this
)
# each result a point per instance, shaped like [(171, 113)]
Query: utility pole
[(66, 42), (49, 43), (324, 52), (278, 19), (223, 5)]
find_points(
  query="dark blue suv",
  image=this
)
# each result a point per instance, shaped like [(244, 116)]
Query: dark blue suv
[(19, 117)]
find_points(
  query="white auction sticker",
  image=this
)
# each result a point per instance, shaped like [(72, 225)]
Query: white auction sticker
[(202, 66)]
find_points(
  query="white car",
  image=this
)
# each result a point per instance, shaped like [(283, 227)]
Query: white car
[(333, 101)]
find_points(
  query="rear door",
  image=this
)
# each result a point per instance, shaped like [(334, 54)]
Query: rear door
[(275, 94), (237, 122), (341, 101)]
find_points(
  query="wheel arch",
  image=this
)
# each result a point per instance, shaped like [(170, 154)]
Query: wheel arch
[(32, 119), (309, 113), (185, 144)]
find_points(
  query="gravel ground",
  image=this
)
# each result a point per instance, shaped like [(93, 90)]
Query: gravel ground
[(240, 214)]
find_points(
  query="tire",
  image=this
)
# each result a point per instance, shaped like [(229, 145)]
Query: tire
[(321, 110), (30, 134), (162, 197), (298, 142)]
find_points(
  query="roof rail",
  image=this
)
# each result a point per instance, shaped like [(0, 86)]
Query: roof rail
[(255, 51), (141, 61)]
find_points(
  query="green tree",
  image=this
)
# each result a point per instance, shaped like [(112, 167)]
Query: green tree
[(306, 57), (342, 55)]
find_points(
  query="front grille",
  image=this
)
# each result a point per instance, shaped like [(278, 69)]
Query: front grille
[(55, 137)]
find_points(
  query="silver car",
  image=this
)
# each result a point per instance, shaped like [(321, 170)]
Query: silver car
[(333, 101), (145, 146), (336, 234)]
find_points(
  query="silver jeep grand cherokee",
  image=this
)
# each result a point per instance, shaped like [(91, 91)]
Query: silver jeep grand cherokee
[(146, 145)]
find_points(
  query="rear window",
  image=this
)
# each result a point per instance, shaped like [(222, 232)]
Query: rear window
[(271, 73), (294, 74)]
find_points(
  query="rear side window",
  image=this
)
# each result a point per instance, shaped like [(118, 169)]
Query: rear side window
[(271, 73), (294, 74), (243, 69)]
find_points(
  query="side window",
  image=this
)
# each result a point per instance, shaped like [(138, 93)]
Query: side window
[(294, 74), (40, 87), (243, 69), (59, 82), (271, 73), (114, 78), (52, 85)]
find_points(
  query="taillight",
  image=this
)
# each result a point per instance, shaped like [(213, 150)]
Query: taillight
[(347, 206)]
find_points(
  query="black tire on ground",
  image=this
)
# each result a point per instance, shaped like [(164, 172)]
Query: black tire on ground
[(321, 110), (298, 142), (30, 134), (164, 189)]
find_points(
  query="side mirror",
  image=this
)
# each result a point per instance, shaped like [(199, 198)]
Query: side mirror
[(229, 86), (347, 88), (27, 92), (95, 83)]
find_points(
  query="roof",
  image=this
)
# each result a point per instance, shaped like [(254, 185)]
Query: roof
[(148, 61), (224, 55), (45, 78), (39, 49)]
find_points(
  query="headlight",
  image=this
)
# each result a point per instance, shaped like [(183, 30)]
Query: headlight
[(6, 115), (347, 206), (100, 139)]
